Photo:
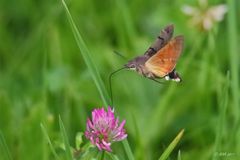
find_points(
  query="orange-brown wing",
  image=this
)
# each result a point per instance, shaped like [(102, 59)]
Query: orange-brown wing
[(164, 61)]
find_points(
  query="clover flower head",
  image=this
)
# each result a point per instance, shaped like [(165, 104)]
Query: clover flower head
[(104, 129)]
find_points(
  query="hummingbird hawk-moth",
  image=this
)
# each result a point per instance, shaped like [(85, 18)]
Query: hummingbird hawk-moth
[(160, 59)]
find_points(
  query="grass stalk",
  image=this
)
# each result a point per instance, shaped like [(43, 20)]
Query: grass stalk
[(234, 55), (171, 146), (222, 118), (49, 142), (128, 150), (87, 59), (179, 155), (69, 155), (93, 70)]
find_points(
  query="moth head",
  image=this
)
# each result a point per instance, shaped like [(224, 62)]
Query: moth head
[(136, 62), (131, 65)]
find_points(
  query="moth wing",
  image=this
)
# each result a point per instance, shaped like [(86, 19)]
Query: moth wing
[(164, 37), (164, 61)]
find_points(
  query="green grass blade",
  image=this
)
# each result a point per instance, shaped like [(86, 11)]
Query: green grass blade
[(234, 68), (128, 150), (4, 148), (86, 56), (179, 155), (234, 55), (49, 142), (171, 146), (222, 116), (94, 72), (69, 155)]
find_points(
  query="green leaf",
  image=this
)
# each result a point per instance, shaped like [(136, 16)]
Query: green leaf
[(78, 140), (171, 146), (69, 155)]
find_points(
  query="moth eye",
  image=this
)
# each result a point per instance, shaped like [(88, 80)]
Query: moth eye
[(132, 66)]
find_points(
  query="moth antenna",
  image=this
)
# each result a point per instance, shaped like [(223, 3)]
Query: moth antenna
[(120, 55), (110, 83)]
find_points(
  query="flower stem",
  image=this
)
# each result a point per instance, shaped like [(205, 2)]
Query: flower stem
[(103, 154)]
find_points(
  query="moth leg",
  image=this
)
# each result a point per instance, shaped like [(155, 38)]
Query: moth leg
[(150, 75), (156, 81)]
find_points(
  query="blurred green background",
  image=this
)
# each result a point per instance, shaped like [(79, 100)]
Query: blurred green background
[(43, 75)]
